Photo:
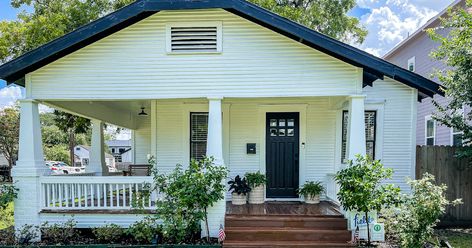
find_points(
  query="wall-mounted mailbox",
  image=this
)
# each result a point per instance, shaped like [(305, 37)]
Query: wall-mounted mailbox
[(251, 148)]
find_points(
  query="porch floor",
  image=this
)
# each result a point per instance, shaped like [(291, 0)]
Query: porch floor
[(283, 208)]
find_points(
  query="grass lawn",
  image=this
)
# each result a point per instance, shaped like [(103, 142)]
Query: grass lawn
[(6, 217), (458, 238)]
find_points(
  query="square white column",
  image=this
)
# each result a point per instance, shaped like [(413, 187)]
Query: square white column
[(29, 167), (97, 163), (356, 143), (216, 213)]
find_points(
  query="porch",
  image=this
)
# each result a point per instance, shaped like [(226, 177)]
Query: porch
[(309, 126)]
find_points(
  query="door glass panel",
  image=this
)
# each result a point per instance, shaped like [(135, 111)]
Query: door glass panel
[(290, 132), (273, 132), (281, 131), (290, 122), (273, 122), (282, 123)]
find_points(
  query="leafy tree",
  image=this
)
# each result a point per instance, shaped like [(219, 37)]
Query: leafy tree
[(9, 133), (50, 19), (72, 125), (455, 51), (57, 153), (326, 16), (361, 188)]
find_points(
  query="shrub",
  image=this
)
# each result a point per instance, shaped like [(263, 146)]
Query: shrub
[(62, 233), (360, 187), (187, 194), (239, 186), (412, 222), (255, 179), (109, 233), (311, 189), (7, 236), (27, 234), (144, 231), (8, 193)]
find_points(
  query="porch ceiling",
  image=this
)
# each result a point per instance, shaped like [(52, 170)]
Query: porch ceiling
[(120, 113)]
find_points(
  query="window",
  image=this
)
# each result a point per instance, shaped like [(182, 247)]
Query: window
[(121, 150), (112, 150), (118, 158), (85, 161), (194, 37), (430, 131), (456, 137), (370, 118), (411, 64), (198, 135)]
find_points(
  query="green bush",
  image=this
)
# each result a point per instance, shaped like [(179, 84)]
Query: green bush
[(255, 179), (413, 221), (361, 188), (109, 233), (144, 231), (311, 189), (8, 193), (63, 233)]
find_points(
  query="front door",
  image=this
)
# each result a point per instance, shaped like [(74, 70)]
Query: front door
[(282, 153)]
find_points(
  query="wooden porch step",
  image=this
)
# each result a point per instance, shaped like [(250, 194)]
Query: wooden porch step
[(284, 244), (319, 223), (286, 234)]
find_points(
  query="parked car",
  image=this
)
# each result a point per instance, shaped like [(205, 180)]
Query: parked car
[(58, 168)]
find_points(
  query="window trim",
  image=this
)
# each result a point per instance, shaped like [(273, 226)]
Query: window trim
[(219, 36), (412, 61), (375, 141), (190, 133), (426, 137), (452, 133)]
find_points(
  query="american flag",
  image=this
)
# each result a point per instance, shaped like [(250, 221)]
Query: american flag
[(356, 235), (221, 234)]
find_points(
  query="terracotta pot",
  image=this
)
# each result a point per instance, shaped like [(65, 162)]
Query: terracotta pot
[(312, 199), (238, 199), (256, 196)]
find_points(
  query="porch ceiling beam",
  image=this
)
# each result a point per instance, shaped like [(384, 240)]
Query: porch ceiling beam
[(98, 111)]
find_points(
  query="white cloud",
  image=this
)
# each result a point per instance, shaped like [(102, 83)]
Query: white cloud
[(390, 21), (9, 95)]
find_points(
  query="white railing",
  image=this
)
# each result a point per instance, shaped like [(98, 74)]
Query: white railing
[(96, 193)]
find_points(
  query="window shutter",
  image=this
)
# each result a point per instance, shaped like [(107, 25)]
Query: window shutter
[(194, 39)]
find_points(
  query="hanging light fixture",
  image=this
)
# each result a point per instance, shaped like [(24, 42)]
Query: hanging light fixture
[(142, 113)]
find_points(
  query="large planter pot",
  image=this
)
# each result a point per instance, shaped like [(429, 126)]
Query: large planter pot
[(312, 199), (256, 196), (239, 199)]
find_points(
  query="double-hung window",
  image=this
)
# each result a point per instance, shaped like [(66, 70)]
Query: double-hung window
[(370, 118), (198, 135), (430, 131)]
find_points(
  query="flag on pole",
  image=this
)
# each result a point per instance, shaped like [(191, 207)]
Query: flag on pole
[(356, 235), (221, 234)]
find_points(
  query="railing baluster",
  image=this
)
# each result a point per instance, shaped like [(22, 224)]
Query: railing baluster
[(117, 195), (123, 187), (130, 187), (54, 195), (72, 192), (110, 186), (92, 189), (79, 194), (105, 195)]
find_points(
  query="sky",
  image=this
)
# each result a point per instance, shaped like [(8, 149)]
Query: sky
[(388, 23)]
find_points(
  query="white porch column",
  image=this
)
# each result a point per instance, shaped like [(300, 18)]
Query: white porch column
[(356, 127), (216, 213), (29, 167), (97, 154)]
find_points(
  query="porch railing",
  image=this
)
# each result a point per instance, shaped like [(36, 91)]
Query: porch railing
[(96, 193)]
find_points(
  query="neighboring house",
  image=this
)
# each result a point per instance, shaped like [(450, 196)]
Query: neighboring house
[(3, 161), (82, 156), (121, 150), (225, 79), (414, 54)]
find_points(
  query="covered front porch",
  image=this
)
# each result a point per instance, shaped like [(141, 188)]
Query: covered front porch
[(291, 140)]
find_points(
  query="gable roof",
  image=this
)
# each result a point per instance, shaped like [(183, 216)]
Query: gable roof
[(374, 68)]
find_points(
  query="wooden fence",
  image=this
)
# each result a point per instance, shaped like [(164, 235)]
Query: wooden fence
[(455, 173)]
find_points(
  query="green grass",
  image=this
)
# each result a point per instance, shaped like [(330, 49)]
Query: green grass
[(6, 217), (458, 238)]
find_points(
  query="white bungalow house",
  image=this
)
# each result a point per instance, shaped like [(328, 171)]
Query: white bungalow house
[(221, 78), (82, 156)]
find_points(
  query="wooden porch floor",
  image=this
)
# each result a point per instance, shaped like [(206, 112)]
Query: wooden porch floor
[(280, 208)]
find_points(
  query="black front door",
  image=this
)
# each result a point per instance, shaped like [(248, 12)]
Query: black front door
[(282, 135)]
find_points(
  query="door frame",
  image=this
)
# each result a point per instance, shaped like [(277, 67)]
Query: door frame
[(268, 108)]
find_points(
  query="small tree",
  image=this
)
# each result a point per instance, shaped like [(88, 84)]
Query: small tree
[(361, 187), (9, 133), (413, 222)]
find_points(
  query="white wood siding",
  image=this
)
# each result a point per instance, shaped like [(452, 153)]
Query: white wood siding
[(142, 142), (133, 64)]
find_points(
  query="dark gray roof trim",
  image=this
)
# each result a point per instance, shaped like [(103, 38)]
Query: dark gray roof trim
[(374, 67)]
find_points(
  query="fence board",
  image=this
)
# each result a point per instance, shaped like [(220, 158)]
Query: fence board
[(455, 173)]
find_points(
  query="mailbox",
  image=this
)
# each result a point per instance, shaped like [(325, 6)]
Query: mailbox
[(251, 148)]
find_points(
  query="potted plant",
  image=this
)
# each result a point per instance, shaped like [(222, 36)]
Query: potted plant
[(311, 192), (256, 181), (239, 190)]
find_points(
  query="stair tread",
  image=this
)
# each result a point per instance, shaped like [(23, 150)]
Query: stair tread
[(284, 217), (285, 244), (304, 229)]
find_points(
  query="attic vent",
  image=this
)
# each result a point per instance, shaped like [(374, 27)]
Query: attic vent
[(185, 39)]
